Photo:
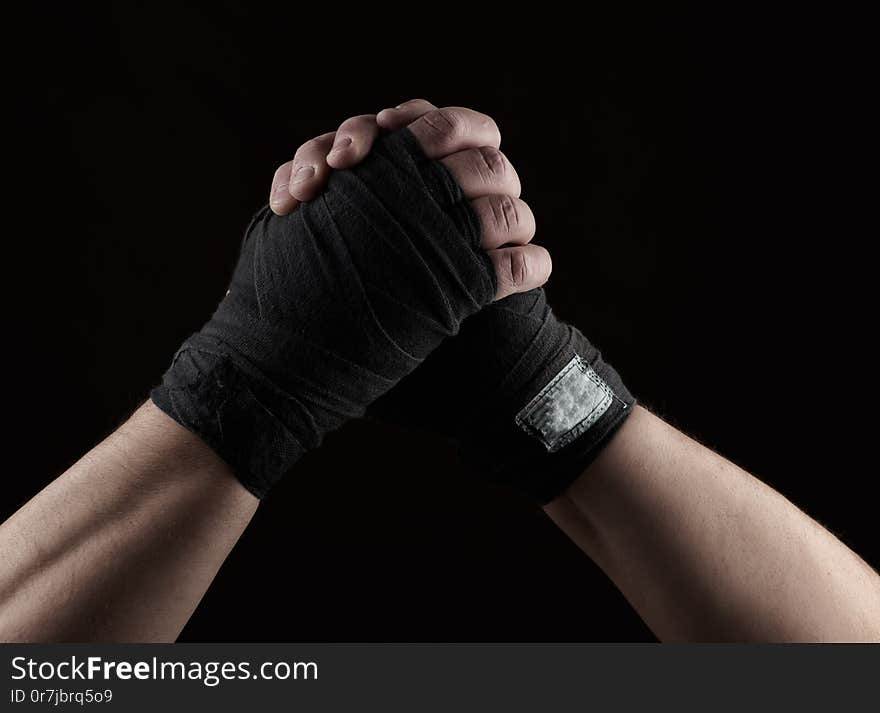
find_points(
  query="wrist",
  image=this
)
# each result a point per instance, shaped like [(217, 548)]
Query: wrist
[(238, 414)]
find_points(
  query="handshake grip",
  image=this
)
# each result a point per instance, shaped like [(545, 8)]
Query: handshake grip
[(328, 309)]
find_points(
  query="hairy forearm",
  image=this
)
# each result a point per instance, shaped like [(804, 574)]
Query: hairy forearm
[(704, 551), (124, 544)]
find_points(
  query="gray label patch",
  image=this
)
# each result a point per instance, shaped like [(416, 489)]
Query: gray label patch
[(572, 402)]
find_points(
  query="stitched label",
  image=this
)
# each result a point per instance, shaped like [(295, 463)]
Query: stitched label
[(566, 407)]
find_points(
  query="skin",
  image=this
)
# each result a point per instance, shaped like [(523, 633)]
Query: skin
[(700, 548), (123, 545), (706, 552), (484, 173)]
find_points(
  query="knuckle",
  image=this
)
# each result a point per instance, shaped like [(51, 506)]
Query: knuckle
[(282, 172), (313, 147), (308, 148), (540, 264), (487, 128), (517, 267), (493, 129), (444, 124), (505, 212), (491, 164), (363, 121)]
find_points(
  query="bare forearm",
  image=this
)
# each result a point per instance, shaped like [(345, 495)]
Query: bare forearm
[(124, 544), (704, 551)]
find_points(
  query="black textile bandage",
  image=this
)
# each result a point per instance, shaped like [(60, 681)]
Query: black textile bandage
[(329, 308), (529, 400)]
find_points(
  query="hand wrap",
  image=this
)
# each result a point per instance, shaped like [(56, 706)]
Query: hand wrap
[(329, 308), (527, 397)]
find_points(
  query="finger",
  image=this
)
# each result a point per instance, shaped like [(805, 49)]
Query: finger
[(482, 172), (354, 139), (520, 269), (442, 132), (280, 200), (505, 220), (310, 171), (403, 114)]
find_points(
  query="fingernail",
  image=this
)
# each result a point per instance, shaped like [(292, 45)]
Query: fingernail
[(303, 173), (340, 145)]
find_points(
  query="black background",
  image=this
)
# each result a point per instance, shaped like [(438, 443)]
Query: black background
[(695, 179)]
